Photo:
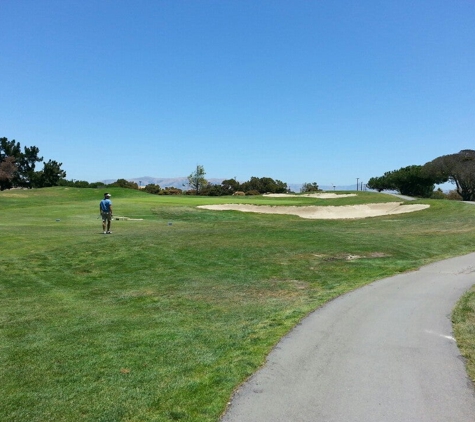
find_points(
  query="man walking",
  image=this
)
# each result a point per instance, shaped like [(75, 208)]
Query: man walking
[(105, 208)]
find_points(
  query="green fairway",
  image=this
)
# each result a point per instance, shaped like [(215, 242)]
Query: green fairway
[(162, 319)]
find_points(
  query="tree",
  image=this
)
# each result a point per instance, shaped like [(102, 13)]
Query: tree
[(7, 171), (9, 152), (25, 162), (410, 180), (309, 187), (197, 180), (24, 173), (264, 185), (50, 175), (80, 184), (379, 184), (230, 186), (26, 176), (170, 190), (456, 168), (122, 183), (152, 188)]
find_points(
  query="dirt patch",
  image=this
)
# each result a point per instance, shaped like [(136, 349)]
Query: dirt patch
[(323, 212)]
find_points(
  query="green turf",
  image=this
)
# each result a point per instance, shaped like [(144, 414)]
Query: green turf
[(161, 320)]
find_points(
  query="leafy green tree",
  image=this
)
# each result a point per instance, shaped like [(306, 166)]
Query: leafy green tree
[(7, 170), (264, 185), (379, 184), (213, 190), (309, 187), (81, 184), (170, 190), (10, 151), (50, 175), (26, 176), (410, 180), (455, 168), (230, 186), (197, 180), (25, 160), (152, 188), (122, 183)]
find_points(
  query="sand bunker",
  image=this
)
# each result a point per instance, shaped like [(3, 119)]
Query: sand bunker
[(323, 195), (323, 212)]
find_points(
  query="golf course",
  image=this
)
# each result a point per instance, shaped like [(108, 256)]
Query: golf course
[(164, 318)]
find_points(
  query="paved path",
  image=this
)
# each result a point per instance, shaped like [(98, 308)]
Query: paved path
[(383, 353)]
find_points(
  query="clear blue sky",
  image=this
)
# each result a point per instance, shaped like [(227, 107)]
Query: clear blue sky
[(300, 91)]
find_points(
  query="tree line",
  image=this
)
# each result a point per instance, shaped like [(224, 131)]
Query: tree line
[(199, 185), (18, 167), (254, 186), (420, 180)]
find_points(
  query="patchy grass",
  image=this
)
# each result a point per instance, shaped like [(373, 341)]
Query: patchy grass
[(463, 319), (161, 320)]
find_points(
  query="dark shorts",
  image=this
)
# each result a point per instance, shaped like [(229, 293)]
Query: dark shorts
[(106, 216)]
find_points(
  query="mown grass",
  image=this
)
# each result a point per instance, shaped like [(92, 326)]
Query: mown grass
[(161, 320)]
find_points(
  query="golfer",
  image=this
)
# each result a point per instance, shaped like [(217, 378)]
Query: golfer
[(105, 208)]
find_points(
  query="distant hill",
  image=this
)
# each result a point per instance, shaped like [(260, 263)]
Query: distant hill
[(182, 183)]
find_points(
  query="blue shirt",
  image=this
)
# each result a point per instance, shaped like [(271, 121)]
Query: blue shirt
[(106, 205)]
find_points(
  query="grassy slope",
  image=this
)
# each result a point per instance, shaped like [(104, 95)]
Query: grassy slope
[(162, 319)]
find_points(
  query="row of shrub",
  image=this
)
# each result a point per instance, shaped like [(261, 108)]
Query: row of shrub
[(254, 186), (451, 195)]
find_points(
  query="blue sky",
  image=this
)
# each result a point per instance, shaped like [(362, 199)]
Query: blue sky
[(300, 91)]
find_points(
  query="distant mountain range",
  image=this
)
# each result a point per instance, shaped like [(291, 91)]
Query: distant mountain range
[(182, 183)]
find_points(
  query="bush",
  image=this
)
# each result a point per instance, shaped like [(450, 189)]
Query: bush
[(438, 194), (213, 190), (170, 191), (454, 196), (151, 188), (253, 192), (309, 187), (122, 183)]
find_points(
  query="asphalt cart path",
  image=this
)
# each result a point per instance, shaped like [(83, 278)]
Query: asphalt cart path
[(383, 353)]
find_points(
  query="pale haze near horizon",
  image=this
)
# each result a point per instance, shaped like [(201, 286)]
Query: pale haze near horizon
[(301, 91)]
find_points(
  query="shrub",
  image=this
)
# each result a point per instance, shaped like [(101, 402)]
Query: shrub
[(454, 196), (438, 194), (151, 188), (170, 191)]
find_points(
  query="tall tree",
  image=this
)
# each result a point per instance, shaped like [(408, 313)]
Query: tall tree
[(122, 183), (24, 174), (309, 187), (230, 186), (379, 183), (7, 171), (264, 185), (410, 180), (457, 168), (51, 174), (197, 180)]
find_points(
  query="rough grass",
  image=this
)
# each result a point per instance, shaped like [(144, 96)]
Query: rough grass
[(161, 320), (464, 327)]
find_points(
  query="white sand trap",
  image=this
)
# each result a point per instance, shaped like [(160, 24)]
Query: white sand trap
[(322, 212), (322, 195)]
